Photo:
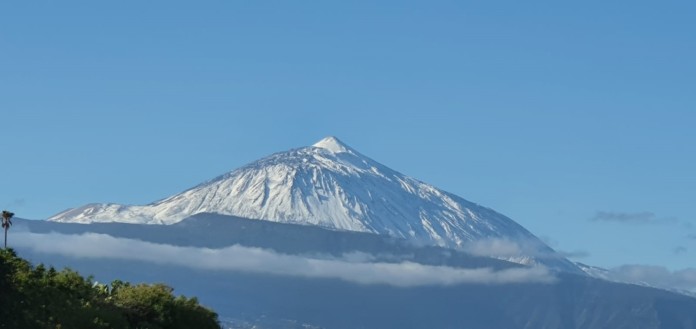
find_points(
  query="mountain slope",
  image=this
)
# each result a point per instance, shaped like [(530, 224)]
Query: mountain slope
[(329, 185)]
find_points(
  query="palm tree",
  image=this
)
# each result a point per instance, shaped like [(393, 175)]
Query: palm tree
[(6, 222)]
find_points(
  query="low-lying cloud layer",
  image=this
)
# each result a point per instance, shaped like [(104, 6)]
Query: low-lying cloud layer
[(351, 268), (511, 249), (496, 248), (656, 276)]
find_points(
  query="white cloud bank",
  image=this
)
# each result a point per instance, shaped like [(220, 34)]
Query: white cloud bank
[(656, 276), (247, 259), (509, 249), (495, 247)]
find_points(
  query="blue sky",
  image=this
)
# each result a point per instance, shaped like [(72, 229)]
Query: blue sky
[(575, 119)]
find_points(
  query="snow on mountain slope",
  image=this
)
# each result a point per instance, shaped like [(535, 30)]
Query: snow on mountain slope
[(330, 185)]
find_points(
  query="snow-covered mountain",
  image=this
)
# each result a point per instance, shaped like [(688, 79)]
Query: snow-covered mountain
[(330, 185)]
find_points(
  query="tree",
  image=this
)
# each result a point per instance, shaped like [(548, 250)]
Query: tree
[(40, 297), (6, 223), (154, 306)]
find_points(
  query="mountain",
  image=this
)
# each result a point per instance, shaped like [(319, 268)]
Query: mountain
[(329, 185)]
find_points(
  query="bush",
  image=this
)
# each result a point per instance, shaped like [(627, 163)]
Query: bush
[(37, 297)]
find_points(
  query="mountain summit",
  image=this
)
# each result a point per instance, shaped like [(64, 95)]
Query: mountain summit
[(334, 145), (328, 184)]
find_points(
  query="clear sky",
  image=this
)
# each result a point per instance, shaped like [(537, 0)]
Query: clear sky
[(576, 119)]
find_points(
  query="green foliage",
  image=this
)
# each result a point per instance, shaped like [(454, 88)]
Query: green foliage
[(154, 306), (43, 298)]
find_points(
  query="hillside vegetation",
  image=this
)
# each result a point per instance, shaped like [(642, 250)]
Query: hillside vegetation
[(40, 297)]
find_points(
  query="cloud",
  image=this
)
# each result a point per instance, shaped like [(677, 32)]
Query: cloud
[(645, 217), (355, 267), (656, 276), (548, 240), (679, 250), (494, 248), (576, 254), (510, 249), (567, 254), (16, 203)]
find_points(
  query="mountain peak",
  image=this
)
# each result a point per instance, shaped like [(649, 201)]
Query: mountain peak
[(333, 144)]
